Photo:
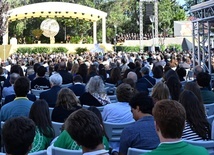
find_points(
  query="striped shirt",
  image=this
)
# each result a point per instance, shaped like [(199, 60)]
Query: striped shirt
[(189, 134)]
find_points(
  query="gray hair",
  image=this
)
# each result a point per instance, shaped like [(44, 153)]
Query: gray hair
[(133, 76), (13, 77), (95, 85), (56, 79)]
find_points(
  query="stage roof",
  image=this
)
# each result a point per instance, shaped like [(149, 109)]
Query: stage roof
[(56, 9)]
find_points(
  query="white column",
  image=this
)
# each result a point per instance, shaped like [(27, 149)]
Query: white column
[(95, 32), (5, 37), (104, 30)]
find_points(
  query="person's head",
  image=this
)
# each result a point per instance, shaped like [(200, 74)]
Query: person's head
[(197, 69), (203, 79), (77, 78), (67, 99), (192, 86), (144, 71), (160, 91), (181, 72), (124, 92), (130, 82), (174, 86), (18, 135), (141, 104), (85, 128), (169, 116), (17, 69), (115, 74), (95, 85), (157, 71), (195, 114), (62, 65), (39, 113), (21, 86), (41, 71), (55, 80), (13, 77), (132, 75), (36, 66)]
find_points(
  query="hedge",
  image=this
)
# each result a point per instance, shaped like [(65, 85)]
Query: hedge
[(36, 50)]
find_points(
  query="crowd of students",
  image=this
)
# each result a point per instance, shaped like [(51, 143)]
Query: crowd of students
[(150, 87)]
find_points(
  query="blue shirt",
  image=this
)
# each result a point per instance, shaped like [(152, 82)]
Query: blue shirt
[(141, 135)]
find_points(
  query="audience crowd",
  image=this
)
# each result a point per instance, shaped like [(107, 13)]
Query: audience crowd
[(134, 88)]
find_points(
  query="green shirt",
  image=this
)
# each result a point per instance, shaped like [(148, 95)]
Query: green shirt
[(66, 142), (178, 148), (40, 142)]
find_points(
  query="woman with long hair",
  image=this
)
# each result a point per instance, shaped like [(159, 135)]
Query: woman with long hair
[(174, 86), (115, 76), (39, 113), (197, 126), (160, 91), (66, 103)]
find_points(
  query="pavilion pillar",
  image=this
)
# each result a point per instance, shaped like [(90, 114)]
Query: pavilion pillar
[(104, 30), (95, 32), (5, 37)]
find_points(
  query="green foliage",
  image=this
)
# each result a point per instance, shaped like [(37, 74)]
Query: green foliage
[(127, 48), (88, 40), (41, 50), (75, 39), (80, 50), (178, 47), (37, 33), (23, 50), (59, 50)]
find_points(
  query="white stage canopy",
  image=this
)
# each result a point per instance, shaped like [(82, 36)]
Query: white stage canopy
[(63, 10)]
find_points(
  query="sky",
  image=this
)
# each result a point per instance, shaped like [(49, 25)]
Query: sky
[(181, 2)]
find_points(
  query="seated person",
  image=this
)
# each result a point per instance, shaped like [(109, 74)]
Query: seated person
[(85, 128), (18, 134), (10, 90), (78, 87), (141, 134), (40, 82), (169, 119), (21, 105), (10, 98), (203, 81), (65, 141), (50, 96), (95, 94)]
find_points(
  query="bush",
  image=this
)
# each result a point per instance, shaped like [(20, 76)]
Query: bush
[(177, 47), (59, 50), (23, 50), (127, 48), (80, 50), (75, 39), (40, 50)]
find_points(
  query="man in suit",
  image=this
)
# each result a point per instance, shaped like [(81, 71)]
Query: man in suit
[(66, 77), (21, 105), (50, 96), (78, 88), (146, 79), (169, 118)]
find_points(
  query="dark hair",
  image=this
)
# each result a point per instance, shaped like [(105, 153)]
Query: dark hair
[(77, 78), (36, 66), (174, 86), (195, 114), (115, 75), (181, 73), (18, 135), (157, 71), (21, 86), (102, 71), (39, 113), (203, 79), (84, 127), (130, 82), (17, 69), (144, 102), (170, 117), (192, 86), (83, 71), (99, 115), (124, 92), (41, 71)]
